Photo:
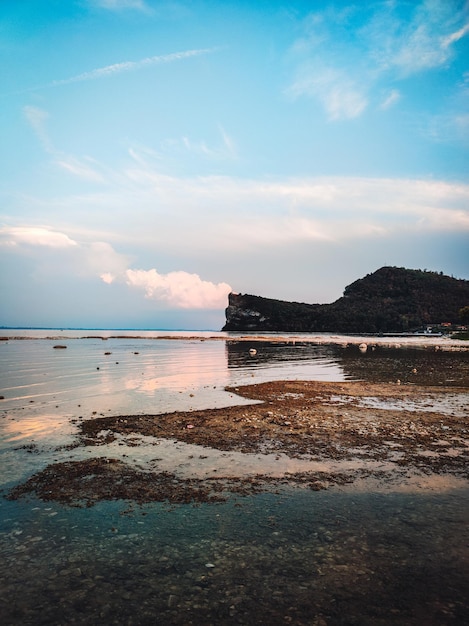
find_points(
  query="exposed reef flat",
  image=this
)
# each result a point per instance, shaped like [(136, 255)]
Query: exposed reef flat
[(384, 432)]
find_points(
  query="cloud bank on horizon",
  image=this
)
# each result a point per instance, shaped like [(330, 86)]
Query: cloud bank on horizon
[(175, 153)]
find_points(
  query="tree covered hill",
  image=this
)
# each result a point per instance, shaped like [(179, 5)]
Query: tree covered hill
[(392, 299)]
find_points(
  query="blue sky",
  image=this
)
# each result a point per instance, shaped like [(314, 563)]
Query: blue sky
[(156, 155)]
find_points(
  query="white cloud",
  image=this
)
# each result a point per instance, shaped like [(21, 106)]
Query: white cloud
[(107, 277), (86, 169), (230, 147), (78, 168), (339, 95), (90, 257), (118, 5), (420, 42), (342, 55), (449, 127), (156, 214), (225, 150), (262, 220), (37, 119), (456, 36), (419, 52), (34, 236), (259, 215), (461, 122), (390, 100), (179, 289), (127, 66), (102, 260)]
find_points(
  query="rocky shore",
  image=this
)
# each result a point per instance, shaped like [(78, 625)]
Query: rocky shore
[(389, 434)]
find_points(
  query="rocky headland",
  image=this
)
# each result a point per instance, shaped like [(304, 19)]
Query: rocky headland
[(391, 299)]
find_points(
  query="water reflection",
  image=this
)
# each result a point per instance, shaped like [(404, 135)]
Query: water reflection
[(283, 361), (417, 366), (335, 362), (43, 387)]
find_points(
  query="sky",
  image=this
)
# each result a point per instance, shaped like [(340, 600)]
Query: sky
[(158, 155)]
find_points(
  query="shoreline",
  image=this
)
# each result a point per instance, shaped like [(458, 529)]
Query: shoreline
[(436, 343)]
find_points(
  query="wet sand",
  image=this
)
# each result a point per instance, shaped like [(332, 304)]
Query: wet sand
[(383, 435)]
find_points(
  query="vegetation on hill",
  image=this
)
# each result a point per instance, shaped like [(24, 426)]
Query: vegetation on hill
[(392, 299)]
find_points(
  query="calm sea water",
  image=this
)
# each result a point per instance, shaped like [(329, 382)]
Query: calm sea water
[(334, 557)]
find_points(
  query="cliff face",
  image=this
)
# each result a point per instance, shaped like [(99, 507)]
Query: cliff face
[(389, 300), (240, 314), (246, 312)]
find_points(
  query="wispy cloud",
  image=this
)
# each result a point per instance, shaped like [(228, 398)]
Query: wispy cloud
[(339, 95), (341, 55), (259, 215), (86, 169), (82, 169), (456, 36), (130, 66), (226, 148), (390, 100), (37, 119), (119, 5), (426, 43), (229, 144), (419, 40), (452, 127)]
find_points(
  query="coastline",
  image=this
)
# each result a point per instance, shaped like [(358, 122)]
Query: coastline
[(433, 342)]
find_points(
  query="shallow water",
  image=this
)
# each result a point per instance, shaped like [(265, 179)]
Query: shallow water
[(270, 559), (344, 556)]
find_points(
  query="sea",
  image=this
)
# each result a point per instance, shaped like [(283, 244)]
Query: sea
[(340, 556)]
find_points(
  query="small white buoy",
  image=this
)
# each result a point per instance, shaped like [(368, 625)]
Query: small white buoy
[(252, 351)]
